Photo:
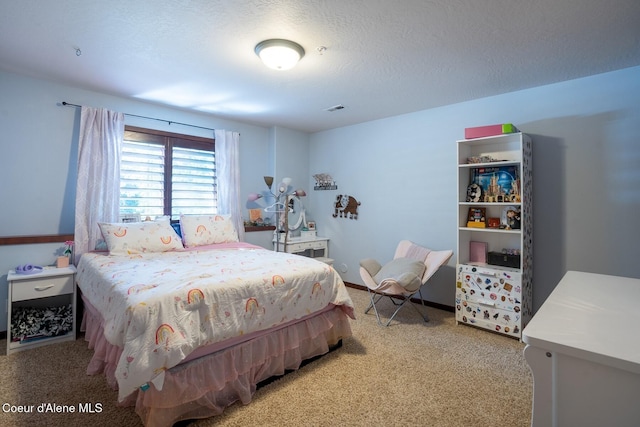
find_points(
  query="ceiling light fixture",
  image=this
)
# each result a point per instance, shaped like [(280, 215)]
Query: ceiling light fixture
[(279, 54)]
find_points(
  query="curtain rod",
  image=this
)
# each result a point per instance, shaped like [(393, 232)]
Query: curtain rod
[(170, 122)]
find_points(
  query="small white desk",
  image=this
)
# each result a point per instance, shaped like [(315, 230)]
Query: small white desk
[(583, 348), (298, 245)]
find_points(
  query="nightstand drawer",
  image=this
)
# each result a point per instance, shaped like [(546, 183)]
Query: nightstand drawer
[(41, 287)]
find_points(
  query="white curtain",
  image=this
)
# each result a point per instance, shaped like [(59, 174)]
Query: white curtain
[(228, 175), (98, 185)]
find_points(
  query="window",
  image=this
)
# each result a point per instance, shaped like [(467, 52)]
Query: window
[(163, 173)]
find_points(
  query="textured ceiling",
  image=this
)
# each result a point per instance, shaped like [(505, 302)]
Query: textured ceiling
[(382, 58)]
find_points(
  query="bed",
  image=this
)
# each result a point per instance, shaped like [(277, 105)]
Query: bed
[(182, 334)]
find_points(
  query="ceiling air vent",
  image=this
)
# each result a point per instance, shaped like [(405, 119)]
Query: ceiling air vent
[(335, 108)]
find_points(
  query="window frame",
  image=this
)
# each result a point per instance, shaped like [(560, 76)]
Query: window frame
[(170, 140)]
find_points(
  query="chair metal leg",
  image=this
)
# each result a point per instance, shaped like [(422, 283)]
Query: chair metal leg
[(424, 307), (372, 304), (373, 301)]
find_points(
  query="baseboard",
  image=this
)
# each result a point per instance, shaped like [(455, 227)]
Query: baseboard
[(3, 335), (415, 300)]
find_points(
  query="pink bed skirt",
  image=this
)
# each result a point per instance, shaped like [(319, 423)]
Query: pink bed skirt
[(204, 387)]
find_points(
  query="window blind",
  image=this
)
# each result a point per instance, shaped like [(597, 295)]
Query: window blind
[(142, 179), (193, 182), (147, 178)]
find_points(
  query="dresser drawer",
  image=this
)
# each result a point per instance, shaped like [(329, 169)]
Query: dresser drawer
[(486, 315), (303, 246), (318, 245), (498, 285), (295, 247), (41, 287)]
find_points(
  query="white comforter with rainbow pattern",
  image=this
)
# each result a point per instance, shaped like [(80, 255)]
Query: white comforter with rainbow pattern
[(159, 307)]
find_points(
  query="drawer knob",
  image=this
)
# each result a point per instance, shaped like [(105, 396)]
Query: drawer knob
[(44, 287)]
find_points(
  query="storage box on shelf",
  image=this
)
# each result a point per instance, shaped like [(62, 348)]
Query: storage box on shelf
[(495, 179), (482, 131)]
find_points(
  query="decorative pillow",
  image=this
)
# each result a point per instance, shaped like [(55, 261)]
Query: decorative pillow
[(406, 272), (371, 265), (176, 228), (199, 230), (140, 237)]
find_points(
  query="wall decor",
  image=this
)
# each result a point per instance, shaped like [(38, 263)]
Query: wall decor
[(255, 216), (324, 181), (346, 207)]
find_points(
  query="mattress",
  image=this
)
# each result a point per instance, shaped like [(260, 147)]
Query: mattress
[(158, 308)]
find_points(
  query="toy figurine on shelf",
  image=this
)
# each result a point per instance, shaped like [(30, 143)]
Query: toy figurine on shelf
[(493, 190), (514, 194), (513, 219)]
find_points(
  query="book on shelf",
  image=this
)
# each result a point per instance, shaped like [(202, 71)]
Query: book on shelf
[(478, 252)]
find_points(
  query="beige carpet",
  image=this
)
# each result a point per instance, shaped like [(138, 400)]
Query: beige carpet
[(410, 373)]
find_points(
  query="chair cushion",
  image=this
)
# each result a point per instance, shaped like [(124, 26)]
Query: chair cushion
[(406, 272), (371, 265)]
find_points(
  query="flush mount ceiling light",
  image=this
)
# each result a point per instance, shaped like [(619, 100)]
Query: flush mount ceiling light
[(279, 54)]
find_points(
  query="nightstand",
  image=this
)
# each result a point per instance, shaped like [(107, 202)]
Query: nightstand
[(31, 295), (307, 247)]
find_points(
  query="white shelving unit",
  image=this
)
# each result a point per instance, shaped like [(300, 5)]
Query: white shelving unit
[(491, 296)]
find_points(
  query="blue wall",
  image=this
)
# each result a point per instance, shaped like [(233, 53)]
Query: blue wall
[(402, 169), (38, 156), (586, 163)]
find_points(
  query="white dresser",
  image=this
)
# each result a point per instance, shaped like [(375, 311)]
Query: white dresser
[(583, 348)]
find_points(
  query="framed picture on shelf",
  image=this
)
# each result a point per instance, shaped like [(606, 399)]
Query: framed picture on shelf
[(311, 225), (255, 215), (477, 218)]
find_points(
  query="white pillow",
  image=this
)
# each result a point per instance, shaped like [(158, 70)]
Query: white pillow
[(199, 230), (140, 237), (406, 272)]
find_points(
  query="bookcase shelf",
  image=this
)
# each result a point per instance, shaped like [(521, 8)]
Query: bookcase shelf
[(490, 296)]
